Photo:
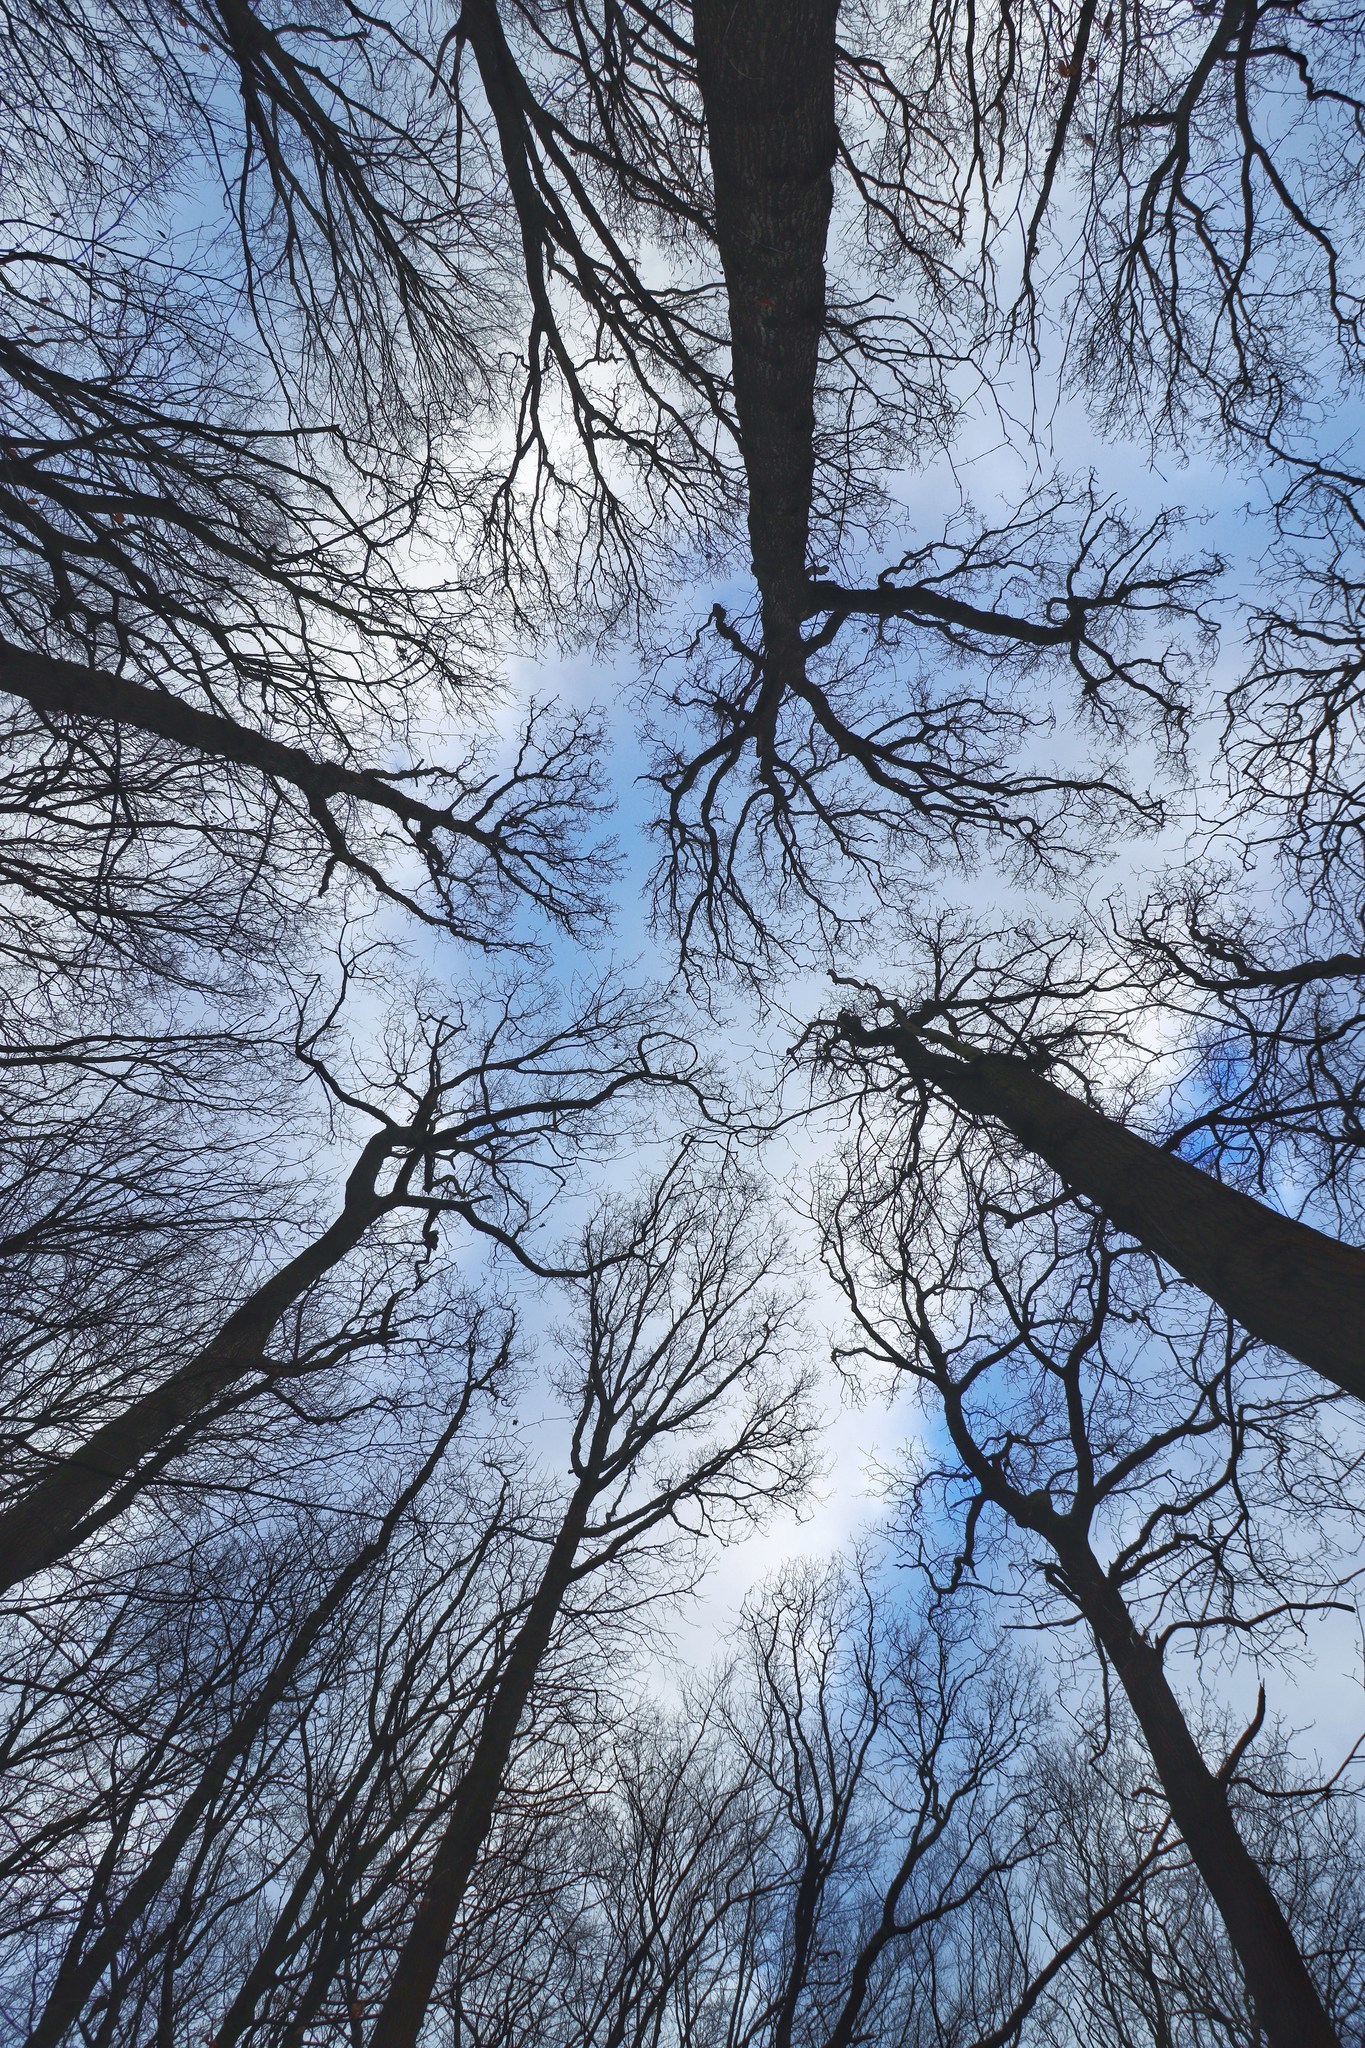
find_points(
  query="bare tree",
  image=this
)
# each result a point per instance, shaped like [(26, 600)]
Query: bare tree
[(682, 1419), (1090, 1410), (336, 348), (155, 1738), (445, 1145), (1283, 1281), (847, 1835), (1160, 1969)]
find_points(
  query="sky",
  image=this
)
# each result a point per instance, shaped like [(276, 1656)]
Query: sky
[(866, 1431)]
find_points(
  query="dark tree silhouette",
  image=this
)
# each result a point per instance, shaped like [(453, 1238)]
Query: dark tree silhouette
[(347, 358), (1283, 1281), (680, 1419), (1076, 1392)]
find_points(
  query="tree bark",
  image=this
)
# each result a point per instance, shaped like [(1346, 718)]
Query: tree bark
[(475, 1798), (1284, 1282), (46, 1521), (1286, 1998), (766, 73)]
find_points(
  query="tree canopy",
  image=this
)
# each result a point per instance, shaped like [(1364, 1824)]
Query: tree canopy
[(681, 706)]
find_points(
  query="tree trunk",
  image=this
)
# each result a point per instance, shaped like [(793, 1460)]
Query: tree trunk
[(766, 72), (1283, 1282), (84, 1964), (476, 1795), (47, 1521), (1286, 1999)]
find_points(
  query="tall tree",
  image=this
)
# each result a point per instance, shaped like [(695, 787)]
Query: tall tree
[(680, 1418), (1089, 1412), (446, 1146)]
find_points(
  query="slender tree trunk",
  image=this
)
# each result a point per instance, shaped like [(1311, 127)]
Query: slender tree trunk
[(813, 1874), (339, 1929), (1282, 1281), (850, 2027), (84, 1964), (1286, 1999), (475, 1799), (292, 1927), (400, 1801), (282, 1937), (766, 71), (47, 1520)]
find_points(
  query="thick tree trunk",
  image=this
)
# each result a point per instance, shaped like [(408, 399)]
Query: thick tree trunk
[(804, 1910), (476, 1795), (1287, 2002), (48, 1519), (766, 71), (1282, 1281)]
